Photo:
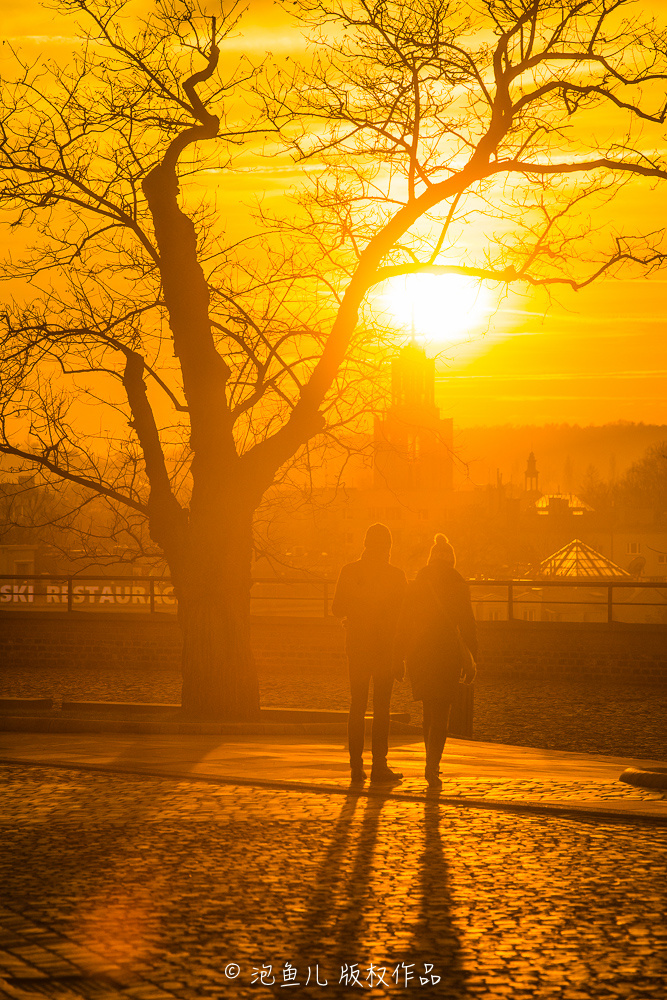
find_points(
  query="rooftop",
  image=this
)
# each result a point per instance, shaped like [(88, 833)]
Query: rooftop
[(576, 559)]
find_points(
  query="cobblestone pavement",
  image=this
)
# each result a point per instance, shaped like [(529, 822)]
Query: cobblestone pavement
[(532, 790), (482, 772), (588, 716), (134, 887)]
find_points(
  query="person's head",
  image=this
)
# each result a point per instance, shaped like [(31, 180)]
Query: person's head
[(442, 552), (378, 540)]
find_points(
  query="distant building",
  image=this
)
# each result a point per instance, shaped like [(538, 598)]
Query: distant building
[(580, 561), (561, 504), (413, 444), (412, 472), (531, 475), (20, 559), (640, 549)]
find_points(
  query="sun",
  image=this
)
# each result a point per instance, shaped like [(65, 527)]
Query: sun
[(438, 308)]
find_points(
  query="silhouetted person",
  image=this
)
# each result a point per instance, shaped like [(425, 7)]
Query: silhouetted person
[(437, 637), (369, 595)]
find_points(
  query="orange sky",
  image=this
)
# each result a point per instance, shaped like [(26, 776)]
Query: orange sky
[(593, 357)]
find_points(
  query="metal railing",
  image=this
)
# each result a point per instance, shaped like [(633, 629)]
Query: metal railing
[(311, 596), (142, 593), (517, 596)]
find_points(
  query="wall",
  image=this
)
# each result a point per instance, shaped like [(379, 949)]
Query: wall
[(546, 649)]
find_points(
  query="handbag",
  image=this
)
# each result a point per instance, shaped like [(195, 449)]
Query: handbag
[(468, 665)]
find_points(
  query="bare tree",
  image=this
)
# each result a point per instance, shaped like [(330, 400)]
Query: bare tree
[(423, 114)]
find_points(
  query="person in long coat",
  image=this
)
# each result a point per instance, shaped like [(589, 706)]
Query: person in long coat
[(369, 595), (437, 637)]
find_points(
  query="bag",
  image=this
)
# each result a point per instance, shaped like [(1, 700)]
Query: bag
[(468, 665)]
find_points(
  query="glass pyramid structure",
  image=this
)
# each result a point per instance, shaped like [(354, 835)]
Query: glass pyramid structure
[(576, 559)]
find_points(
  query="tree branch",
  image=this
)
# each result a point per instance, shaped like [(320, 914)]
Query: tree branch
[(90, 484)]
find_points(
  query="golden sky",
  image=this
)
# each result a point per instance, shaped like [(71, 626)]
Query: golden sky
[(593, 357)]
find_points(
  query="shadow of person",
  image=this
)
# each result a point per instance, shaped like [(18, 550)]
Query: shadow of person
[(318, 933), (379, 903), (435, 939), (343, 923), (359, 914)]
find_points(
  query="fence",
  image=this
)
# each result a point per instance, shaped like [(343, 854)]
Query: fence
[(574, 600), (505, 600)]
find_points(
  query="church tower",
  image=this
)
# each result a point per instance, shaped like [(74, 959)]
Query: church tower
[(413, 444), (531, 474)]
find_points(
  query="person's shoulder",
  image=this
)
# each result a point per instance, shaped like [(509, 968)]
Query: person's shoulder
[(353, 569), (442, 576), (453, 576), (459, 581), (422, 577), (396, 572)]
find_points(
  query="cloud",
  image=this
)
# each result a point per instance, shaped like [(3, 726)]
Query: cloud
[(45, 40), (548, 376)]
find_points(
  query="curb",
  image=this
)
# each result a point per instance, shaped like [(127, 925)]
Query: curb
[(580, 813), (655, 778)]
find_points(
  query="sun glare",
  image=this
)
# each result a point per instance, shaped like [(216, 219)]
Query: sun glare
[(438, 308)]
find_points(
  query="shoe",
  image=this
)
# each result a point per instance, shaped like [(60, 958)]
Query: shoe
[(432, 775), (357, 776), (385, 776)]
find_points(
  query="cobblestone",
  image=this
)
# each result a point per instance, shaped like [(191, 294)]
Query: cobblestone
[(121, 887), (542, 790), (474, 774), (604, 717)]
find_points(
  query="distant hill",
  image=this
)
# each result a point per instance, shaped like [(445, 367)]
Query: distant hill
[(564, 452)]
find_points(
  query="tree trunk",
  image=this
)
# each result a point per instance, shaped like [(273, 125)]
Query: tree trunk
[(219, 673), (211, 572)]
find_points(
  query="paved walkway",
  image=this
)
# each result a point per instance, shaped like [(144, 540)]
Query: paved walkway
[(134, 887), (484, 773)]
